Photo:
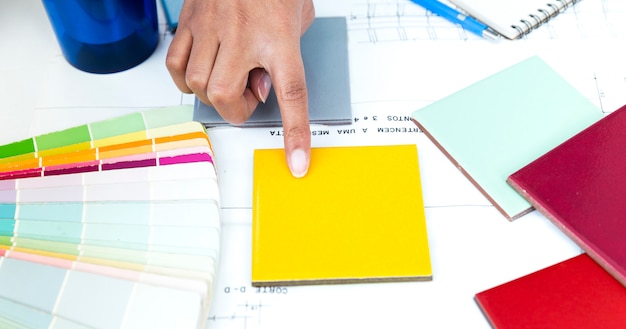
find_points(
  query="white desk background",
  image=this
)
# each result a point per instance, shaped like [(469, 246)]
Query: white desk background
[(401, 58)]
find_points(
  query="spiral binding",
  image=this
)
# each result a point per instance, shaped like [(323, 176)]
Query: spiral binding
[(541, 16)]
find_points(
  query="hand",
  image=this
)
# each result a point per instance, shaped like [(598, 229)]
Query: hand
[(230, 52)]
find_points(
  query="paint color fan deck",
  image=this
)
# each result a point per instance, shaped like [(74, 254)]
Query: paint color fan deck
[(113, 224)]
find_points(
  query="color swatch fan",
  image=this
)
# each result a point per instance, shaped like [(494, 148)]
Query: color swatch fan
[(114, 224)]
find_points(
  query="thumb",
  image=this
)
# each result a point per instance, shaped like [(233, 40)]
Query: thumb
[(260, 84)]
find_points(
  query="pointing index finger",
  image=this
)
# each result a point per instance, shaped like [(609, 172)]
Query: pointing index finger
[(288, 79)]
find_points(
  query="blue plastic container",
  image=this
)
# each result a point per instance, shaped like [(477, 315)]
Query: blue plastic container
[(104, 36)]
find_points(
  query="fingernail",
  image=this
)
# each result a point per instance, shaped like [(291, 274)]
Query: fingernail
[(298, 163), (263, 90)]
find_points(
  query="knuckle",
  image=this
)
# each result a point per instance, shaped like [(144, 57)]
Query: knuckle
[(220, 95), (294, 92), (195, 81), (175, 64)]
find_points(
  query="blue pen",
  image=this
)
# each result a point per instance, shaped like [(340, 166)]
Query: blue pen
[(454, 16)]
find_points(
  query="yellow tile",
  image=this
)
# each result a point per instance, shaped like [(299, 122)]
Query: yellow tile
[(357, 216)]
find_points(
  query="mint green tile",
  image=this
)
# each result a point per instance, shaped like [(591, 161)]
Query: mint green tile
[(496, 126)]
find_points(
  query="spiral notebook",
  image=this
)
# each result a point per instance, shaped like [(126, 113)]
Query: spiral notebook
[(513, 18)]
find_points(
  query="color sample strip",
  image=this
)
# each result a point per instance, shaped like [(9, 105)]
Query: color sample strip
[(159, 139), (127, 236), (357, 216), (181, 235), (206, 276), (71, 222), (96, 300), (163, 213), (161, 157), (178, 181), (80, 138), (184, 139), (200, 284), (195, 188), (195, 240), (498, 125), (576, 293), (579, 186), (194, 154), (175, 265)]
